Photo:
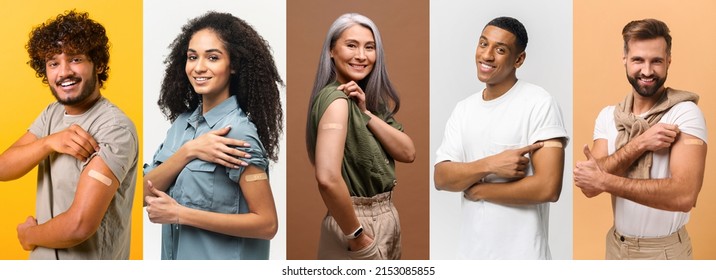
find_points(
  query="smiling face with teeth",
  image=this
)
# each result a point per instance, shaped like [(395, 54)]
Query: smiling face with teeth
[(208, 66), (647, 65), (72, 78), (497, 58), (354, 54)]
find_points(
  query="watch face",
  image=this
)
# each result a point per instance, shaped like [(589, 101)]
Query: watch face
[(358, 233)]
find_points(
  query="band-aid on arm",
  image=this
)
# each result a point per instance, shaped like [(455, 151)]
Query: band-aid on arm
[(100, 177), (256, 177), (698, 142), (332, 126), (552, 144)]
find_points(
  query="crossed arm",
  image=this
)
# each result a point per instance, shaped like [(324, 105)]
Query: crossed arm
[(687, 158), (544, 185)]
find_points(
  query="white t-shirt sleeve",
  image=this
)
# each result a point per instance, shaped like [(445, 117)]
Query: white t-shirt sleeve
[(601, 125), (451, 148), (689, 118), (546, 121)]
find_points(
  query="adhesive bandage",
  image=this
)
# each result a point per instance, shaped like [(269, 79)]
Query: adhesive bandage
[(333, 126), (256, 177), (100, 177), (698, 142), (552, 144)]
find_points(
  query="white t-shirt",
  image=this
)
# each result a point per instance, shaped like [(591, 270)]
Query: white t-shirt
[(478, 129), (634, 219)]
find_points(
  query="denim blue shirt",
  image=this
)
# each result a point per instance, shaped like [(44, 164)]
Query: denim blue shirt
[(210, 187)]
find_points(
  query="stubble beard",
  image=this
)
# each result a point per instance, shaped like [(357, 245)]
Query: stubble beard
[(644, 91), (86, 91)]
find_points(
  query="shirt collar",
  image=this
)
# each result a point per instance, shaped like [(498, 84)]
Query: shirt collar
[(215, 114)]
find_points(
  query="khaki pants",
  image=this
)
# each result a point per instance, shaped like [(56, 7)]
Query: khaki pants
[(379, 219), (676, 246)]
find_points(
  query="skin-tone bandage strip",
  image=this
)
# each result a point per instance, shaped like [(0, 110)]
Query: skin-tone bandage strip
[(100, 177), (552, 144), (694, 142), (256, 177), (333, 126)]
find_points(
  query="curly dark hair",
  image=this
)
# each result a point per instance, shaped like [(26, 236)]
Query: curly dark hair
[(70, 33), (255, 82)]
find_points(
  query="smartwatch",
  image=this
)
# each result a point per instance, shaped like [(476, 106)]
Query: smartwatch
[(355, 233)]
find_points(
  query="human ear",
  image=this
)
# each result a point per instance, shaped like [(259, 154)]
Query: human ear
[(520, 59)]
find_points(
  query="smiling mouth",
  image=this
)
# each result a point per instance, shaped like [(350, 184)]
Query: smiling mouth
[(68, 82), (647, 79), (202, 79), (486, 67), (358, 67)]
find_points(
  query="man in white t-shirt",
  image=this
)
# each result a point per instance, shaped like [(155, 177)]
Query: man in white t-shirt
[(649, 153), (504, 149)]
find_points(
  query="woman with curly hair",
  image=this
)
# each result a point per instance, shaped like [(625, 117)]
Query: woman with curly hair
[(353, 140), (208, 182)]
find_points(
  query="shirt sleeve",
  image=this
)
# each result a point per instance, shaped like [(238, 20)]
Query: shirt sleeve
[(247, 131), (39, 126), (168, 147), (118, 147), (451, 148), (689, 118), (547, 122), (324, 99), (601, 125)]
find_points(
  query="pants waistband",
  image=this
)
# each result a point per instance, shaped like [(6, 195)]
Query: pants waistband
[(374, 205), (676, 237)]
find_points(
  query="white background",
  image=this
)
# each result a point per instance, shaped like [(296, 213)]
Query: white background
[(162, 24), (455, 27)]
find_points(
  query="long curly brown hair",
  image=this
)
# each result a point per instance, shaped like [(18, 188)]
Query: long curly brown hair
[(255, 82), (70, 33)]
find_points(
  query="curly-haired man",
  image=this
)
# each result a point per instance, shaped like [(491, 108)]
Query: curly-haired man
[(85, 148)]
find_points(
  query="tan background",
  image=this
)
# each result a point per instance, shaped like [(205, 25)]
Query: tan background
[(599, 80), (404, 30)]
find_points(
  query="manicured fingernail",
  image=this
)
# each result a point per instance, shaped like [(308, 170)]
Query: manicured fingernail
[(247, 145), (247, 156), (244, 164)]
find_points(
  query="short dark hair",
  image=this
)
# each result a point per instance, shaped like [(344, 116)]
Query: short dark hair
[(71, 33), (646, 29), (515, 27)]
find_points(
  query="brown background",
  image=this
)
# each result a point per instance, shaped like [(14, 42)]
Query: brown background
[(599, 81), (404, 28)]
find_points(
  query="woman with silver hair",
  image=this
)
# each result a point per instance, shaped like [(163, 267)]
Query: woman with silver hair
[(353, 139)]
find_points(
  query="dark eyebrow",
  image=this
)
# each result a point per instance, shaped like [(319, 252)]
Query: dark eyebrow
[(208, 51), (498, 43)]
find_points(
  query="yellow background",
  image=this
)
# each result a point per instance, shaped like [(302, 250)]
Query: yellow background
[(24, 96), (600, 80)]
